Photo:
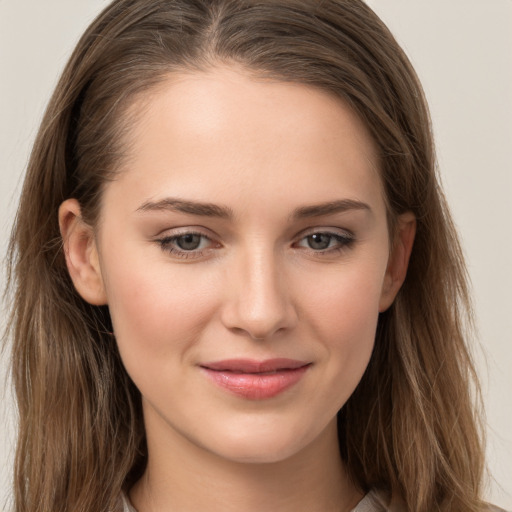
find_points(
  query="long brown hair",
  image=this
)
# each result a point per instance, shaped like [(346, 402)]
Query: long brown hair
[(409, 428)]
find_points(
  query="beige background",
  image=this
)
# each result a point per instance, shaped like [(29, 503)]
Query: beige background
[(462, 50)]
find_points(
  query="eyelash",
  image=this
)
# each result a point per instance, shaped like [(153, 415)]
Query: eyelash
[(167, 242), (344, 242)]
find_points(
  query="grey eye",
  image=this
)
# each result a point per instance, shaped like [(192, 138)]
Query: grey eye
[(319, 241), (189, 242), (325, 241)]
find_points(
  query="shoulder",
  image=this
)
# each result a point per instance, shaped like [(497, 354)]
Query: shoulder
[(374, 501), (123, 505), (493, 508), (380, 501)]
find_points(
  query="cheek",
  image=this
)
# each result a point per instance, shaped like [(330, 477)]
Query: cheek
[(343, 311), (156, 311), (346, 299)]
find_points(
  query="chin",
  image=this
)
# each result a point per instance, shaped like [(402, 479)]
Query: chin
[(268, 445), (258, 453)]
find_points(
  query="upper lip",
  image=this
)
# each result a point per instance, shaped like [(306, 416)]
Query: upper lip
[(255, 366)]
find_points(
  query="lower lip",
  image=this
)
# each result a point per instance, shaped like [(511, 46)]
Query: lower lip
[(256, 386)]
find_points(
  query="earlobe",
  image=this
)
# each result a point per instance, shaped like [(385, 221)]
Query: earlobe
[(81, 253), (398, 259)]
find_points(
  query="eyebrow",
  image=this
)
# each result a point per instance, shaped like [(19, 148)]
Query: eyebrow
[(329, 208), (190, 207), (223, 212)]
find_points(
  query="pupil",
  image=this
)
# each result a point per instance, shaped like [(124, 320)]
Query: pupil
[(319, 241), (188, 242)]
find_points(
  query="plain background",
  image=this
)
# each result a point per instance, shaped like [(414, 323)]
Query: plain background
[(462, 52)]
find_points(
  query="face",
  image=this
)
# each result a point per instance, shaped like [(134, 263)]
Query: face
[(244, 254)]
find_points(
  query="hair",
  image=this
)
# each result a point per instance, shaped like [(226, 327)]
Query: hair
[(411, 427)]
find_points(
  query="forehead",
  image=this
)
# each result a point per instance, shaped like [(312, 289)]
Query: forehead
[(227, 134)]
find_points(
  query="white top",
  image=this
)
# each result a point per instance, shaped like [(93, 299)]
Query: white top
[(372, 502)]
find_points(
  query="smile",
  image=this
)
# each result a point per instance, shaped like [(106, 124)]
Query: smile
[(256, 380)]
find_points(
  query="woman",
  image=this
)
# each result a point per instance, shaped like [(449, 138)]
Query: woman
[(237, 282)]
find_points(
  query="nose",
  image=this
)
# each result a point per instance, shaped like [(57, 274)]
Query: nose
[(258, 304)]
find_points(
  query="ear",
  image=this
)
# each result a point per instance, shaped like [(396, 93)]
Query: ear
[(398, 259), (81, 253)]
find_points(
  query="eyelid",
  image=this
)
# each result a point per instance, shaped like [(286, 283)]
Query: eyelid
[(327, 231), (185, 230)]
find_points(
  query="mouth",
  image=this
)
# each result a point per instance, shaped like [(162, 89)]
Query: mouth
[(256, 380)]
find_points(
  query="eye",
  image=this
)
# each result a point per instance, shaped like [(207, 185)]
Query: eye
[(325, 241), (188, 242), (186, 245)]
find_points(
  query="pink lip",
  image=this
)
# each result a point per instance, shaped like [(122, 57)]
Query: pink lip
[(256, 380)]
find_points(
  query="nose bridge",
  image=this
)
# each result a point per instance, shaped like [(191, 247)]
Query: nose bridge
[(259, 303)]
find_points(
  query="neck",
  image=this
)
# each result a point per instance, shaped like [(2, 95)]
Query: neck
[(182, 477)]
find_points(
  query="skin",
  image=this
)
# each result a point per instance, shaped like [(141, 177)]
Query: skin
[(254, 288)]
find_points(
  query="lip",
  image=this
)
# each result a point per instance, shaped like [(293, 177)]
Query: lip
[(256, 380)]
